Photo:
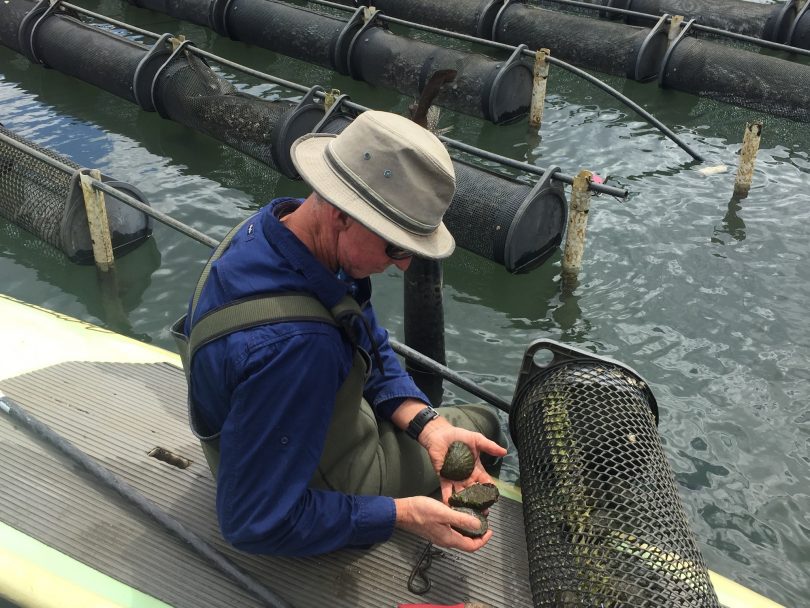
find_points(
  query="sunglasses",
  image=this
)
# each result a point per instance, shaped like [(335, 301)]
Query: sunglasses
[(395, 252)]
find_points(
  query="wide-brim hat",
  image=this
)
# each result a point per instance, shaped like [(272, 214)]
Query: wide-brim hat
[(389, 174)]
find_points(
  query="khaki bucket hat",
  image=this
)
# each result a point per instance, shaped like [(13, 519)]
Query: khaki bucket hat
[(389, 174)]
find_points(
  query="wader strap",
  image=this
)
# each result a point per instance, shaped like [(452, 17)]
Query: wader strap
[(261, 310), (223, 245)]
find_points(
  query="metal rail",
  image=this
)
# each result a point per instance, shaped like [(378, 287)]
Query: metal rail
[(696, 26)]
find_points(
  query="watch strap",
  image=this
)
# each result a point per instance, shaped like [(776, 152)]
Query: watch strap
[(420, 420)]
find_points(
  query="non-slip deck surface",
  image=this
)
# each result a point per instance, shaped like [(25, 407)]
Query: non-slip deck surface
[(118, 412)]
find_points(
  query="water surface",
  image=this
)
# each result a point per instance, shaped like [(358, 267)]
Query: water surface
[(706, 296)]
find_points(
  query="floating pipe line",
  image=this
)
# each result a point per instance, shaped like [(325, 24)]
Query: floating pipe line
[(761, 22), (637, 17), (502, 219), (552, 60), (496, 90), (355, 107), (378, 57), (453, 143), (703, 68)]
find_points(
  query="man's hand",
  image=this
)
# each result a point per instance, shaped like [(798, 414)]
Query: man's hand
[(432, 519), (436, 439)]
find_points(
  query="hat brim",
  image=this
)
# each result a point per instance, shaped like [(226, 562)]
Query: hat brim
[(308, 156)]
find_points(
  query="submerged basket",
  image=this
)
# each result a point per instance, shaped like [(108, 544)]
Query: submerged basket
[(604, 523)]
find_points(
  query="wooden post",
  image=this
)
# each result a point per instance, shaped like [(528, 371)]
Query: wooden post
[(541, 67), (577, 225), (748, 155), (97, 221), (674, 28)]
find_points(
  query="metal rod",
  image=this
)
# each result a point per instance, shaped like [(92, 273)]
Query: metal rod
[(448, 374), (250, 71), (158, 215), (37, 154), (703, 28), (112, 481), (567, 179), (110, 20)]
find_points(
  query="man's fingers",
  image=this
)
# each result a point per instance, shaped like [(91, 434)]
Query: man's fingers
[(490, 447), (465, 543)]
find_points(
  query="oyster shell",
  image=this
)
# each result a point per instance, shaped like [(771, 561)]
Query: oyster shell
[(459, 462), (478, 496), (474, 533)]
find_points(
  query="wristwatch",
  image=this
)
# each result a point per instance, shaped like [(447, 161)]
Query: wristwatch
[(420, 420)]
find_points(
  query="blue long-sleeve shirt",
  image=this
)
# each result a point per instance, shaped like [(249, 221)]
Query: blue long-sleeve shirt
[(271, 391)]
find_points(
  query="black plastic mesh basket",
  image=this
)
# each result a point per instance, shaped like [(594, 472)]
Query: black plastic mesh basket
[(190, 93), (496, 90), (765, 21), (48, 202), (605, 46), (737, 76), (604, 522)]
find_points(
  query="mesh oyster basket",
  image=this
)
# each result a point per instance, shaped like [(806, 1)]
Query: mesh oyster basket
[(47, 201), (604, 523)]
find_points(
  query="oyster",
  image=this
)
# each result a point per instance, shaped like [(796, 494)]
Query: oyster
[(478, 496), (459, 462), (473, 533)]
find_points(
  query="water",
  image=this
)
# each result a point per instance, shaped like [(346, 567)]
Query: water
[(705, 296)]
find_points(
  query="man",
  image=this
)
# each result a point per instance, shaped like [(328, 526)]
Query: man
[(315, 445)]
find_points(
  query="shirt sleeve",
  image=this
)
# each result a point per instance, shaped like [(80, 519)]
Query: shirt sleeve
[(386, 391), (270, 447)]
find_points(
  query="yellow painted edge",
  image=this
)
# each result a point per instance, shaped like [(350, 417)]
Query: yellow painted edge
[(33, 574), (35, 338), (734, 595)]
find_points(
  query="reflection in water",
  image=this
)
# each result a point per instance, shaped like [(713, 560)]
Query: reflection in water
[(110, 298), (732, 225), (722, 336), (539, 300)]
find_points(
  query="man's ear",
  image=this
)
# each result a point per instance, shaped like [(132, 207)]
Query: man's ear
[(341, 218)]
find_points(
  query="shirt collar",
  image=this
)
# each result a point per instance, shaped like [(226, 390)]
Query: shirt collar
[(324, 283)]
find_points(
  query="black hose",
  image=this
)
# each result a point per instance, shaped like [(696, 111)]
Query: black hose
[(632, 104), (16, 412)]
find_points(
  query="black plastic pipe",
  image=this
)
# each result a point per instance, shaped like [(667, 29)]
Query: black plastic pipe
[(424, 323), (448, 374)]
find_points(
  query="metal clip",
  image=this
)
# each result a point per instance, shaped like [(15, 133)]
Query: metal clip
[(423, 584)]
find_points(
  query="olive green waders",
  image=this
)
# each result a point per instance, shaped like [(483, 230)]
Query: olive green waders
[(361, 454)]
